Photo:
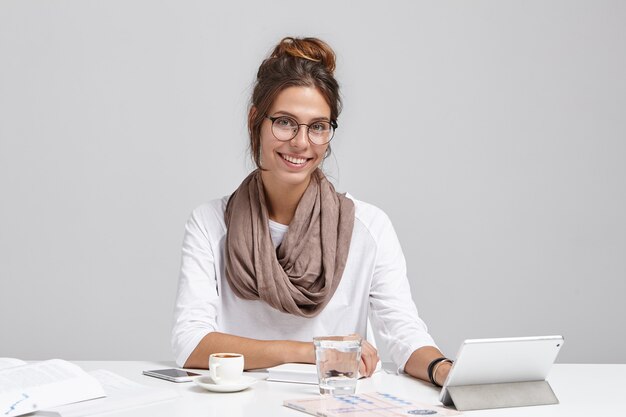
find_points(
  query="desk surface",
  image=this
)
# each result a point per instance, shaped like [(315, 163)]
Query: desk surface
[(583, 390)]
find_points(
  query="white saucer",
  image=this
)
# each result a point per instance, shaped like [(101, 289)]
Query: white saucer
[(206, 382)]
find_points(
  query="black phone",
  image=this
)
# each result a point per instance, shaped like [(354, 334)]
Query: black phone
[(173, 375)]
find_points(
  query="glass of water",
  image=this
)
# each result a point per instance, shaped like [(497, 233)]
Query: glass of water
[(337, 359)]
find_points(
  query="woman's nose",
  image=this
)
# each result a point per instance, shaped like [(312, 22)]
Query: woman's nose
[(301, 139)]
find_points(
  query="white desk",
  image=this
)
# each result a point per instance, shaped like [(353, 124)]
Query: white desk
[(583, 390)]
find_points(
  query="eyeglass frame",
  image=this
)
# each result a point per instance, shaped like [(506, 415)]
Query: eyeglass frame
[(332, 123)]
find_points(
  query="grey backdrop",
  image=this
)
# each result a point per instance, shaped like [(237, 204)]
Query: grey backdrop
[(492, 133)]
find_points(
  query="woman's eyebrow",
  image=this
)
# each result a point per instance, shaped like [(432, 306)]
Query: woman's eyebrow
[(297, 119)]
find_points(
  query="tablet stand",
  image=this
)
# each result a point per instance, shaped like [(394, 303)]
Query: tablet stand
[(502, 395)]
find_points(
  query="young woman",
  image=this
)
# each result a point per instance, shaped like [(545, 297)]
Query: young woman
[(285, 257)]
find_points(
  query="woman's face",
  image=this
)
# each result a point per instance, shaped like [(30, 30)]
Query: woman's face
[(291, 163)]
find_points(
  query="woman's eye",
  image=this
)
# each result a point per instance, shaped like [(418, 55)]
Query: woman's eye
[(284, 122), (318, 127)]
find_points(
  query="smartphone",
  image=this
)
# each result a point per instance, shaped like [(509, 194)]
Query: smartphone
[(173, 375)]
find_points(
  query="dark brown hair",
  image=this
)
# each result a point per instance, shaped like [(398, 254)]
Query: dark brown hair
[(301, 62)]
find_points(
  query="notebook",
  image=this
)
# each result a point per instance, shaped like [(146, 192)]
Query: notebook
[(365, 405), (302, 373)]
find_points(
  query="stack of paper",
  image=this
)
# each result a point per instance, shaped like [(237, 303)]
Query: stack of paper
[(60, 388), (301, 373), (25, 388)]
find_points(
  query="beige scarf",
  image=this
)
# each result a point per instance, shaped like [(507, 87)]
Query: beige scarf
[(302, 274)]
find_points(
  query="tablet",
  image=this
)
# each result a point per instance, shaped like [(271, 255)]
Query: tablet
[(493, 361)]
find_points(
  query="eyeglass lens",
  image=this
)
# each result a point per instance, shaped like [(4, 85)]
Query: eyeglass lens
[(286, 128)]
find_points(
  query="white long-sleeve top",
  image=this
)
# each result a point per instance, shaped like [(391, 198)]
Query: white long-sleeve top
[(374, 284)]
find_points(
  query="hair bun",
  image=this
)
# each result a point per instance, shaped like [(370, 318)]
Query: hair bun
[(312, 49)]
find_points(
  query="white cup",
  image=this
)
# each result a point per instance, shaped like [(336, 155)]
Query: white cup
[(226, 368)]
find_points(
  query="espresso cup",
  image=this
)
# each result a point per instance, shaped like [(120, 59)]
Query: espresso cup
[(226, 368)]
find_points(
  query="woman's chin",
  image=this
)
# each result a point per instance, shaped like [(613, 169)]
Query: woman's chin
[(288, 178)]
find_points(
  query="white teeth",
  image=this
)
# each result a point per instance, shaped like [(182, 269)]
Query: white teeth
[(293, 160)]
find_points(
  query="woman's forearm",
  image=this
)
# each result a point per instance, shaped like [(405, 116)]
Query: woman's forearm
[(257, 353), (418, 362)]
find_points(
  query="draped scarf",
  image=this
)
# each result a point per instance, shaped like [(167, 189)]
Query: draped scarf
[(301, 275)]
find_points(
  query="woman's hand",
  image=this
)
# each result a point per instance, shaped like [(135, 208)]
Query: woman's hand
[(340, 362), (369, 359)]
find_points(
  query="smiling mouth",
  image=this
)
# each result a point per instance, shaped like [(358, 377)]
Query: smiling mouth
[(294, 160)]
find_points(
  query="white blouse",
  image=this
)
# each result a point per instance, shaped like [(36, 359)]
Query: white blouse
[(374, 285)]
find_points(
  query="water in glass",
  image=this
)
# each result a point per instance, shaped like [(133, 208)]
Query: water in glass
[(337, 359)]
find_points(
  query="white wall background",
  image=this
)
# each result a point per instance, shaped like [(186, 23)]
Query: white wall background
[(492, 132)]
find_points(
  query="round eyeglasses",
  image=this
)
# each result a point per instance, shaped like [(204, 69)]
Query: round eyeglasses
[(285, 128)]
